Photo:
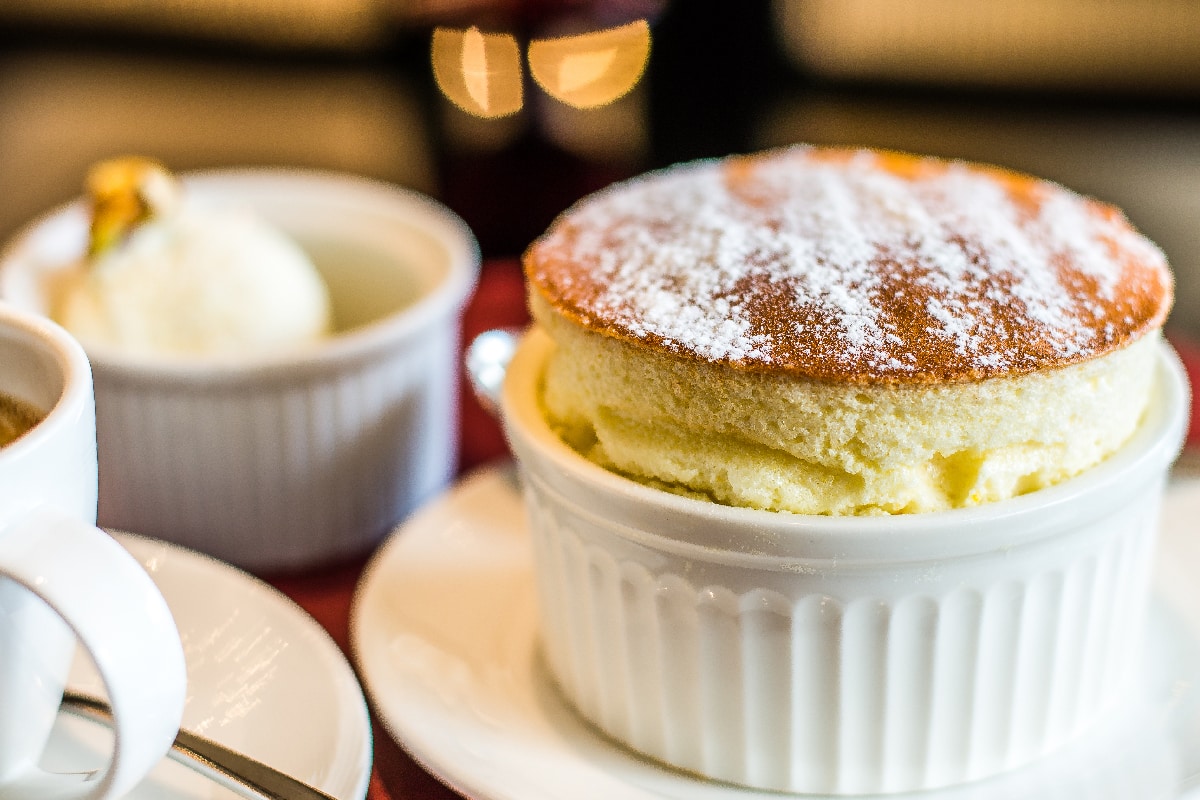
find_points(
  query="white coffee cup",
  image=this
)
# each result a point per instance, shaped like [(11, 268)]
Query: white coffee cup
[(61, 578)]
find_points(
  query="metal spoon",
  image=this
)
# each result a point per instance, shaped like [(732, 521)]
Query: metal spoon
[(211, 757), (486, 361)]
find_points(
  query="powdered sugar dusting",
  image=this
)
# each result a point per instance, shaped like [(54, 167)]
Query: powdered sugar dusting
[(853, 264)]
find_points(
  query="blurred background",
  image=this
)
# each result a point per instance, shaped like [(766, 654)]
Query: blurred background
[(509, 110)]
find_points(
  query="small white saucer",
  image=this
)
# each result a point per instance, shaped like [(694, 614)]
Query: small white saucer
[(264, 678), (444, 632)]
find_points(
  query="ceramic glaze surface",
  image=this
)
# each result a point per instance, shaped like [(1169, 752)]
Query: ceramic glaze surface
[(800, 683)]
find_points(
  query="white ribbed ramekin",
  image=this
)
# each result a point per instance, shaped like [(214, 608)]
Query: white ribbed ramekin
[(841, 655), (283, 462)]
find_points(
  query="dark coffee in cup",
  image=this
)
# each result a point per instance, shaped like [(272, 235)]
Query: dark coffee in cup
[(16, 417)]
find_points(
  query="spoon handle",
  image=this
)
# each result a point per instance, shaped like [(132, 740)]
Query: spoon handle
[(267, 781), (486, 362)]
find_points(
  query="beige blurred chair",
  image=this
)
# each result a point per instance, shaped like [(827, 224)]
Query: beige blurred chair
[(1045, 44), (60, 112)]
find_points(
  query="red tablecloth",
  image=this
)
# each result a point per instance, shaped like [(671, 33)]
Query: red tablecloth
[(498, 302)]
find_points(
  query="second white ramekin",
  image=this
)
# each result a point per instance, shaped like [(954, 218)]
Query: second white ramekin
[(285, 462), (841, 655)]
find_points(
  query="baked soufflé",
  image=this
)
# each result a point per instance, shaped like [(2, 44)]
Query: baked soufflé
[(836, 331)]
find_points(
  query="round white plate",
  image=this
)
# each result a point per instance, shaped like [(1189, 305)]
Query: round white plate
[(444, 632), (264, 678)]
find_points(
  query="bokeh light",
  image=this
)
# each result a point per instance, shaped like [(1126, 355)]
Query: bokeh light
[(591, 69), (479, 72)]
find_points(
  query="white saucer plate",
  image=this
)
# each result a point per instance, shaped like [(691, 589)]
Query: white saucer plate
[(264, 678), (444, 632)]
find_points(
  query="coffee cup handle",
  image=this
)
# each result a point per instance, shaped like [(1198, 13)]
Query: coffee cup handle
[(121, 618)]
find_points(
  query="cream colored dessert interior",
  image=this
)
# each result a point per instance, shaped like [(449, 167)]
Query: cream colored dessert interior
[(216, 283), (794, 444)]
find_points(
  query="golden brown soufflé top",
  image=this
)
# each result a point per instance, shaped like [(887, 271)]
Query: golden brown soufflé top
[(854, 265)]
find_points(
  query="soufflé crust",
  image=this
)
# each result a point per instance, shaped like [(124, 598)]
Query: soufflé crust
[(854, 266), (846, 332)]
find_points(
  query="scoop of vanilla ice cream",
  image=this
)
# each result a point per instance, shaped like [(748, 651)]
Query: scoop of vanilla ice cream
[(203, 282)]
